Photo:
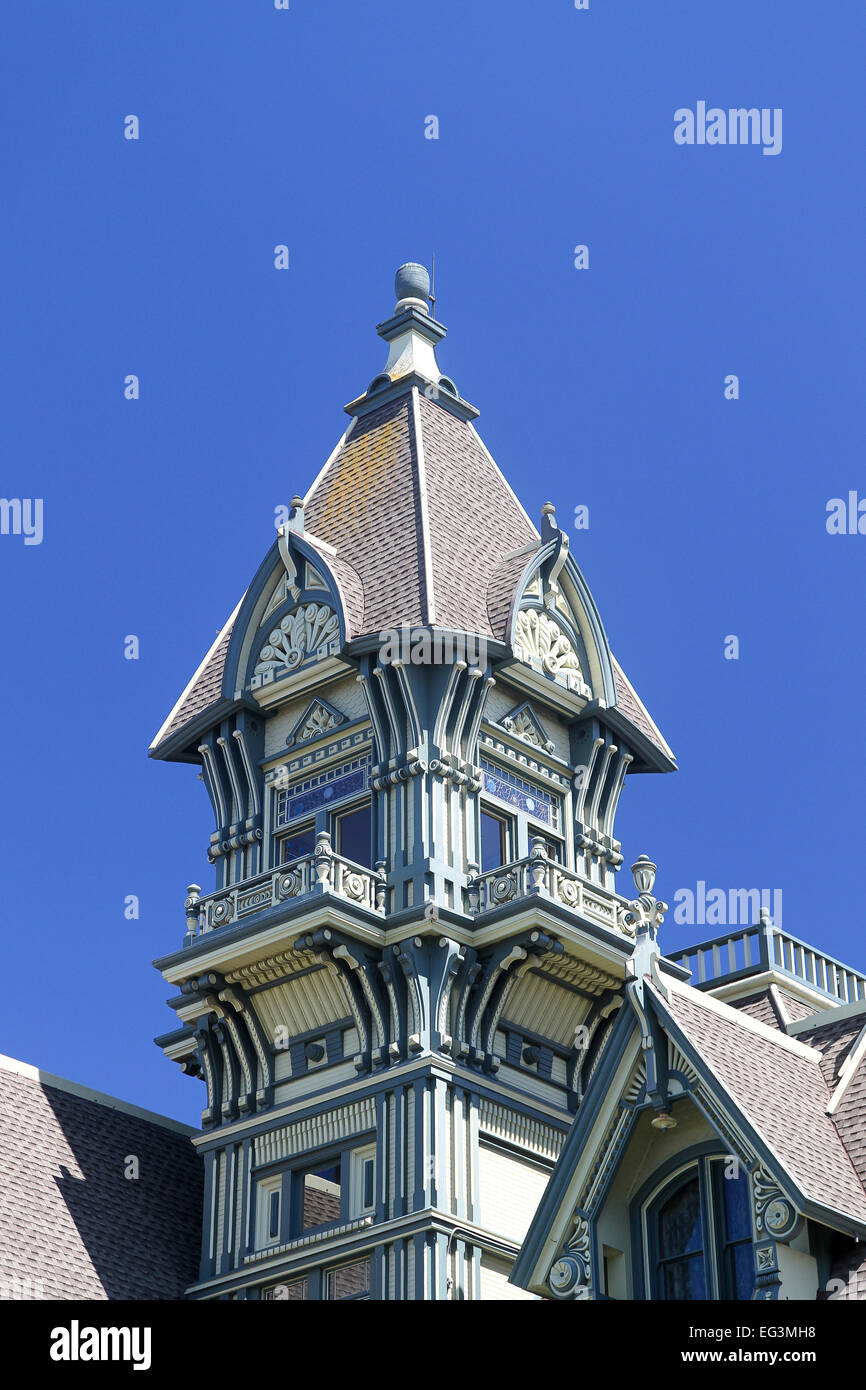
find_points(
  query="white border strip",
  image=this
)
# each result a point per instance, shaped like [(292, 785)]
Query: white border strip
[(47, 1078)]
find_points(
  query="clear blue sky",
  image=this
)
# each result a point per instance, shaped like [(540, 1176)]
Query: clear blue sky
[(602, 387)]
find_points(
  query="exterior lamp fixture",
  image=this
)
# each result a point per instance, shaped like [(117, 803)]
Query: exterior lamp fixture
[(663, 1120)]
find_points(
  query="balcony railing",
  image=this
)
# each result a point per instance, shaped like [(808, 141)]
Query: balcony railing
[(539, 876), (323, 871), (761, 947)]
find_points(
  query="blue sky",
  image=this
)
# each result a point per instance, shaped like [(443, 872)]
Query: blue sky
[(602, 387)]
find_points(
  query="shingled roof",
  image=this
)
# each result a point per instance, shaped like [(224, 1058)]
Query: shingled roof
[(416, 502), (74, 1225), (426, 529), (779, 1087)]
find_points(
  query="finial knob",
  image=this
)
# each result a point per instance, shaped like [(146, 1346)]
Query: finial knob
[(644, 874), (412, 282)]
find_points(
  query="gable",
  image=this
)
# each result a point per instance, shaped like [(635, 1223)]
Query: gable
[(749, 1091)]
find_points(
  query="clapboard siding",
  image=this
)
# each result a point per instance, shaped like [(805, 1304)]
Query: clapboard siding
[(511, 1190), (494, 1281)]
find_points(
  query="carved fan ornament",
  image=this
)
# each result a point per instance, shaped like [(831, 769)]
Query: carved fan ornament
[(303, 632), (318, 720), (539, 638)]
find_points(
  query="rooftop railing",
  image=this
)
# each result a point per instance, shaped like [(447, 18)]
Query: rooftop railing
[(323, 871), (539, 876), (761, 947)]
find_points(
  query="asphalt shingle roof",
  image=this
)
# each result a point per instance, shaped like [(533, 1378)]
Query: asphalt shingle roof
[(423, 522), (782, 1093), (73, 1225)]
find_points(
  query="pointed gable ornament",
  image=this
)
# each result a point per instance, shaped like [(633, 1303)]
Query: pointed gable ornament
[(318, 718), (524, 722)]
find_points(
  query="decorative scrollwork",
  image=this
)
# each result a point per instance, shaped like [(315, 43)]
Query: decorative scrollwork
[(578, 1247), (303, 632), (221, 912), (775, 1215), (353, 886), (538, 637), (289, 885), (568, 892), (504, 888), (563, 1276)]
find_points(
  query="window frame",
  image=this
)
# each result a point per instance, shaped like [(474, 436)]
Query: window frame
[(298, 1174), (359, 1159), (331, 1270), (287, 1179), (286, 834), (507, 836), (268, 1186), (705, 1161), (335, 816)]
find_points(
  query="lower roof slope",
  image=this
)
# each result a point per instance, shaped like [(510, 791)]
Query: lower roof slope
[(74, 1226), (781, 1090)]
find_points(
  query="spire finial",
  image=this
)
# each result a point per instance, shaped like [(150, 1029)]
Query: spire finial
[(412, 285)]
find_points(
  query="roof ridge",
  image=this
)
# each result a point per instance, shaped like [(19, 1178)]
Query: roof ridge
[(429, 609)]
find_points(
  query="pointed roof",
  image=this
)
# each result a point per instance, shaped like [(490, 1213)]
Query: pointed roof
[(421, 526), (779, 1087), (425, 514)]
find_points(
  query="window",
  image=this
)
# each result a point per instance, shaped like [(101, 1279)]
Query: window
[(495, 840), (363, 1197), (553, 847), (349, 1281), (355, 834), (273, 1215), (736, 1271), (269, 1204), (699, 1232), (320, 1196), (681, 1268), (300, 842)]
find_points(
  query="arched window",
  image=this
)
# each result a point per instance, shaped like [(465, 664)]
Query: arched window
[(681, 1265), (699, 1234)]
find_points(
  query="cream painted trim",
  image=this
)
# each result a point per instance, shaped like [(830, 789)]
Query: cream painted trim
[(586, 1162), (752, 984), (385, 1231), (318, 544), (828, 1015), (59, 1083), (425, 517), (439, 1066), (779, 1004), (202, 664), (751, 1025), (847, 1071), (267, 943)]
